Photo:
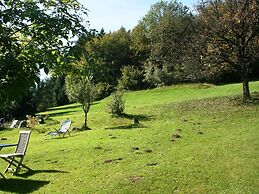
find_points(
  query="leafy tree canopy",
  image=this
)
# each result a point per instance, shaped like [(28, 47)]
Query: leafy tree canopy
[(79, 88), (105, 54), (33, 35), (231, 29), (165, 34), (158, 11)]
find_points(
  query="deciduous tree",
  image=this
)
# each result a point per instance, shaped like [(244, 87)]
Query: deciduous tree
[(105, 55), (33, 35), (79, 88), (231, 28), (169, 28)]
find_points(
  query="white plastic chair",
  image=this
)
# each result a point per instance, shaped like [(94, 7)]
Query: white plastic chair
[(14, 123)]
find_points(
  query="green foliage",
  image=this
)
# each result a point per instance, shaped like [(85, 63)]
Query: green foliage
[(45, 95), (60, 93), (32, 37), (79, 88), (106, 54), (116, 105), (140, 44), (171, 27), (102, 90), (131, 79), (160, 76), (26, 105), (50, 92), (230, 29), (160, 10)]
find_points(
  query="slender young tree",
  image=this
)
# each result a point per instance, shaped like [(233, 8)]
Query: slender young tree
[(79, 88)]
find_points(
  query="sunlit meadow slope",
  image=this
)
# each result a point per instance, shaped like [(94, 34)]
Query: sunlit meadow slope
[(191, 139)]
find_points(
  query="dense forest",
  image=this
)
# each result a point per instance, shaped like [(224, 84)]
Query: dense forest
[(217, 43)]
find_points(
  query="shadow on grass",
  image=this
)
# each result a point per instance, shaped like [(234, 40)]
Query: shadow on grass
[(67, 110), (238, 100), (254, 100), (139, 117), (57, 137), (63, 113), (68, 107), (21, 185), (131, 126), (63, 108), (33, 172), (7, 129)]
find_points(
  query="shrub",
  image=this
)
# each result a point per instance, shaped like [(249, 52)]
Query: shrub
[(162, 76), (131, 79), (116, 105), (31, 121), (102, 90)]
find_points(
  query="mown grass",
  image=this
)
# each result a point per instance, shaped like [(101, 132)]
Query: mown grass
[(217, 149)]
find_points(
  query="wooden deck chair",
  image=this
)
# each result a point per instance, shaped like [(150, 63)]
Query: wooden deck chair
[(64, 128), (15, 159)]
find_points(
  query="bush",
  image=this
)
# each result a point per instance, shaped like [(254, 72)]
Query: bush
[(131, 79), (116, 106), (165, 75), (31, 121), (102, 90)]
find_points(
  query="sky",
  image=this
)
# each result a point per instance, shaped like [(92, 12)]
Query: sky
[(113, 14)]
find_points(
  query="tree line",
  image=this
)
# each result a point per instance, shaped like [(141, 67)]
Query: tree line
[(218, 43)]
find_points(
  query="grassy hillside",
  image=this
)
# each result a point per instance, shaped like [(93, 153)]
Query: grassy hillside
[(191, 139)]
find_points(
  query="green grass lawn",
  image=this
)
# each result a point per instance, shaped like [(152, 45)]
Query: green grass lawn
[(217, 149)]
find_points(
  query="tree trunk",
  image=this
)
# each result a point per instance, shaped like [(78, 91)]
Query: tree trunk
[(85, 116), (246, 91), (86, 110)]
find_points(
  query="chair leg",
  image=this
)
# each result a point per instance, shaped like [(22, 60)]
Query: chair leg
[(2, 175), (10, 162), (23, 166), (64, 134), (18, 166)]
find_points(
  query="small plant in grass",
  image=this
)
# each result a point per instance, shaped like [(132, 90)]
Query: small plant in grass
[(31, 121), (116, 105)]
